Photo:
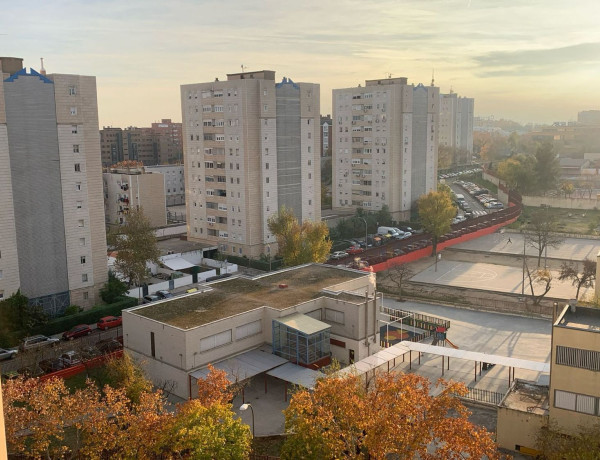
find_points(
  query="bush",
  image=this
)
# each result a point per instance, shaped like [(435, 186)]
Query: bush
[(92, 316), (113, 289), (72, 310)]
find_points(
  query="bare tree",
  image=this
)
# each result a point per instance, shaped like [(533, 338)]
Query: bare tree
[(397, 275), (542, 232), (542, 277), (585, 279)]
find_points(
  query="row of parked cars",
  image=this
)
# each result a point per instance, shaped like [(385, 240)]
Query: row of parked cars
[(383, 235), (459, 173), (158, 295), (482, 194)]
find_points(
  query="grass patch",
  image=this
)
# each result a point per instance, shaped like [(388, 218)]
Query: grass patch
[(98, 375), (579, 221)]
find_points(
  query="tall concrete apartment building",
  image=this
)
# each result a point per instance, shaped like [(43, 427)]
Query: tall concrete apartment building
[(156, 145), (385, 143), (250, 147), (326, 135), (52, 237), (456, 124)]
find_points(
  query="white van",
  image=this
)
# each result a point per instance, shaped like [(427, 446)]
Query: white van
[(388, 230)]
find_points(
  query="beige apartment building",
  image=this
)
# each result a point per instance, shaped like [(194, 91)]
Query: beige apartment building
[(303, 316), (52, 237), (456, 125), (250, 146), (571, 398), (385, 138), (126, 189)]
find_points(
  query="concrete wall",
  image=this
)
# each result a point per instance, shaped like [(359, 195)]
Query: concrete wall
[(518, 428), (567, 203)]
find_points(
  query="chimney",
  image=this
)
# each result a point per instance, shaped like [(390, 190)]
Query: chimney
[(42, 70)]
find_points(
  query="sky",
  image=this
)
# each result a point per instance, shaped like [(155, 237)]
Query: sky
[(525, 60)]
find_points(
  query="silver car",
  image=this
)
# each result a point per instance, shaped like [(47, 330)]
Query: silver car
[(37, 341), (7, 354)]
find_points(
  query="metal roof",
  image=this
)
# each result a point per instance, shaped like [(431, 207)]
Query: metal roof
[(244, 366), (177, 263), (297, 375), (303, 323)]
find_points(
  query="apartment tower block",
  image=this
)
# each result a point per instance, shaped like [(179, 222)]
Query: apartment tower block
[(251, 146), (384, 145), (52, 236)]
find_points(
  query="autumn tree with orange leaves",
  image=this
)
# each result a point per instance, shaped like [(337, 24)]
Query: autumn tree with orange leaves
[(394, 416)]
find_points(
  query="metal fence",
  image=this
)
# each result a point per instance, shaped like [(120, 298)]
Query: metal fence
[(415, 319), (483, 396)]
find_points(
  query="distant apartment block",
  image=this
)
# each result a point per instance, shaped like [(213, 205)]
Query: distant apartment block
[(52, 237), (174, 182), (127, 189), (456, 124), (385, 143), (156, 145), (589, 117), (250, 146), (326, 135)]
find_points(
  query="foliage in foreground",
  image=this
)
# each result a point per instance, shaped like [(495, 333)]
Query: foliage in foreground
[(555, 445), (126, 422), (395, 415)]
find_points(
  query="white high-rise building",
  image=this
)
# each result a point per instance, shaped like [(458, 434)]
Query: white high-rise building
[(250, 147), (456, 123), (52, 235), (384, 145)]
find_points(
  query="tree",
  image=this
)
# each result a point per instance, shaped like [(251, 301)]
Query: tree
[(542, 277), (16, 315), (436, 212), (113, 289), (518, 172), (547, 167), (124, 373), (542, 234), (585, 279), (445, 156), (397, 274), (555, 445), (299, 243), (135, 244), (567, 188), (395, 417)]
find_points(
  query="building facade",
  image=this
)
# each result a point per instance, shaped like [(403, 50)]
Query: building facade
[(126, 189), (174, 182), (384, 145), (52, 237), (326, 136), (250, 147), (456, 125), (159, 144), (178, 337)]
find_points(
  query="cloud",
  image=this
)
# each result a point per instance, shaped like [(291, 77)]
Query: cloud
[(539, 61)]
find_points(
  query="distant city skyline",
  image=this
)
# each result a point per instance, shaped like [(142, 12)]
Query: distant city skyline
[(529, 61)]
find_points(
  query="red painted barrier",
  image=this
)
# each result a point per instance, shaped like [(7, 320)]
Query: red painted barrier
[(74, 370)]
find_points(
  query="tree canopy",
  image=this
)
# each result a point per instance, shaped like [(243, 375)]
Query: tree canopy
[(299, 243), (586, 278), (395, 415), (542, 232), (135, 244), (436, 212)]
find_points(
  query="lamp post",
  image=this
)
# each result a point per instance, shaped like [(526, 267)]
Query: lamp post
[(366, 232), (245, 407)]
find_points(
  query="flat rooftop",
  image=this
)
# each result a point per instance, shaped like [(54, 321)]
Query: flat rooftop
[(237, 295), (528, 397), (584, 318)]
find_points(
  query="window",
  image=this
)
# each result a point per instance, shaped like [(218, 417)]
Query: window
[(81, 241), (77, 167), (265, 107), (267, 180), (84, 278), (1, 294), (334, 316), (266, 165), (86, 295), (576, 402), (82, 259), (248, 330), (576, 357), (1, 274), (152, 345), (75, 148), (73, 129), (78, 186), (72, 90), (215, 340), (79, 204), (80, 223), (73, 110)]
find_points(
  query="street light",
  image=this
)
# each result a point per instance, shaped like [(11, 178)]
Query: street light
[(244, 407)]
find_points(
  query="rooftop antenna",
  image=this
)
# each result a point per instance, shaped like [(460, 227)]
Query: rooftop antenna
[(243, 68), (42, 70), (389, 75), (432, 77)]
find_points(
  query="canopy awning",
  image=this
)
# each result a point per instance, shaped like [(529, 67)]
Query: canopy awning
[(244, 366), (177, 263), (303, 323), (297, 375)]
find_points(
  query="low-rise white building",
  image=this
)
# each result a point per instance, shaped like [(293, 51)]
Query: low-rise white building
[(307, 315)]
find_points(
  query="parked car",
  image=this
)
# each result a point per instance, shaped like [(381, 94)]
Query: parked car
[(51, 365), (338, 255), (150, 298), (37, 341), (7, 354), (354, 250), (77, 331), (90, 352), (163, 294), (71, 358), (109, 321), (108, 345)]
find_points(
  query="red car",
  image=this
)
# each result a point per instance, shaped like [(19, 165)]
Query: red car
[(354, 250), (77, 331), (109, 321)]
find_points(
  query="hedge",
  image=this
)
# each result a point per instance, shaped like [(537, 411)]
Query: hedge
[(91, 316)]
